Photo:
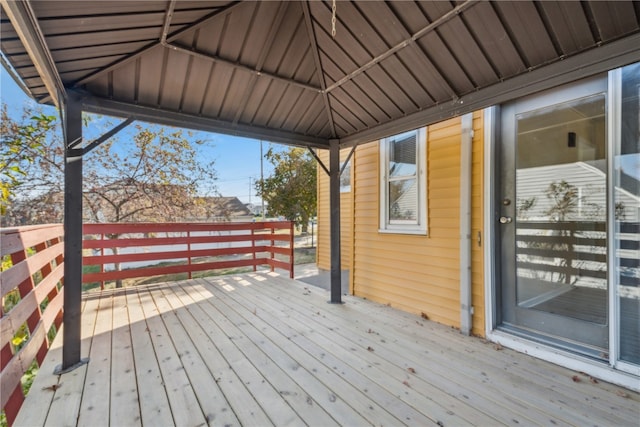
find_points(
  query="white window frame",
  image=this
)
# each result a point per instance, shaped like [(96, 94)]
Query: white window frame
[(419, 226)]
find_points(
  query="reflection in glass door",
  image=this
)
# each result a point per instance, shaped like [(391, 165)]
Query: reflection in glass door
[(626, 195), (553, 216)]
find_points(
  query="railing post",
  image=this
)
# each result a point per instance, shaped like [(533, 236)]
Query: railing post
[(271, 248), (253, 248), (189, 253), (101, 263), (291, 249), (72, 128)]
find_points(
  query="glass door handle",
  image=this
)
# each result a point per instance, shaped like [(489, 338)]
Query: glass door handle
[(505, 220)]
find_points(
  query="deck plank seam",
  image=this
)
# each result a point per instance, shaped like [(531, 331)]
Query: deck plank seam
[(242, 313)]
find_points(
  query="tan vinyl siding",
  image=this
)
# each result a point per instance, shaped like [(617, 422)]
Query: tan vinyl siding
[(416, 273), (323, 253)]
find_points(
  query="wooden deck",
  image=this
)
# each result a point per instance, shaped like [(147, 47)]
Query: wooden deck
[(260, 349)]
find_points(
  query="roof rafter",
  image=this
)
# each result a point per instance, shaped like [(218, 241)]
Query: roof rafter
[(93, 104), (432, 26), (316, 59), (26, 25)]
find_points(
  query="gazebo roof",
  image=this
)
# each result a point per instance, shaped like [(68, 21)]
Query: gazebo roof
[(274, 70)]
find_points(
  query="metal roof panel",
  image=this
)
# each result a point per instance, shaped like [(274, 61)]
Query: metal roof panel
[(261, 65)]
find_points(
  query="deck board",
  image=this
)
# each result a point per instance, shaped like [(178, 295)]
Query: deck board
[(95, 405), (154, 403), (221, 363), (261, 349), (124, 407), (539, 407)]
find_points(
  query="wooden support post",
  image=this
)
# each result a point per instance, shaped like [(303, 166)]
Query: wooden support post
[(334, 206), (72, 127)]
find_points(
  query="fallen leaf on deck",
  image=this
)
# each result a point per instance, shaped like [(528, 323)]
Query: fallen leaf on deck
[(424, 315), (498, 347), (593, 380), (370, 348), (413, 371), (622, 394), (52, 387), (406, 383), (575, 378)]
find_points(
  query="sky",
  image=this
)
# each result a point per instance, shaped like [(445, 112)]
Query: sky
[(237, 160)]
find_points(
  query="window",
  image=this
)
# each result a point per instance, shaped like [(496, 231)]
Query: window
[(403, 190)]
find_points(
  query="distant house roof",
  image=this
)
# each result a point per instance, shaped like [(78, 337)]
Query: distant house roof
[(221, 208)]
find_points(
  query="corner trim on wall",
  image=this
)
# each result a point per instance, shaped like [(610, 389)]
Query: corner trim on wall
[(466, 153)]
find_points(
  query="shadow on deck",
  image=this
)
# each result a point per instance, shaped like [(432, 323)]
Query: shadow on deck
[(261, 349)]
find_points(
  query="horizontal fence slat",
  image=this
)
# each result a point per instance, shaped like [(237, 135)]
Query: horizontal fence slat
[(54, 308), (11, 322), (170, 241), (21, 238), (172, 269), (279, 264), (12, 373), (22, 270)]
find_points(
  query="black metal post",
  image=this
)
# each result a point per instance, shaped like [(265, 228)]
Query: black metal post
[(334, 206), (72, 127)]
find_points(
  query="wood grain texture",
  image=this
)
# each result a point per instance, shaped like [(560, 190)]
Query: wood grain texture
[(261, 349)]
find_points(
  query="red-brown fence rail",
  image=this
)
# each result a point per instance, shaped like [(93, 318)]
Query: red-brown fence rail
[(31, 312), (123, 251)]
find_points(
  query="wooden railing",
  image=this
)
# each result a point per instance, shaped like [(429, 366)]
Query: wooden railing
[(32, 274), (32, 299), (581, 248), (139, 248)]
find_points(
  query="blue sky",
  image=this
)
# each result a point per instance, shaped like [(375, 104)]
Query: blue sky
[(237, 160)]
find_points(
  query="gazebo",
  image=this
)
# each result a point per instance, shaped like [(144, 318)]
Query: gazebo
[(325, 75)]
